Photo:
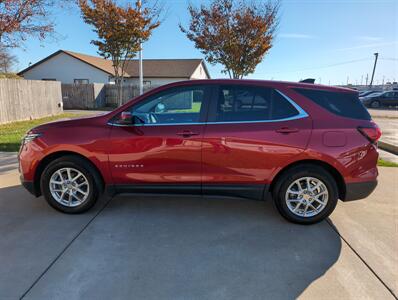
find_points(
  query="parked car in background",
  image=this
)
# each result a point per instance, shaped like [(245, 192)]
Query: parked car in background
[(368, 93), (303, 145), (384, 99)]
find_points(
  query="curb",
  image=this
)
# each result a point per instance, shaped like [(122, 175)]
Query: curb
[(388, 147)]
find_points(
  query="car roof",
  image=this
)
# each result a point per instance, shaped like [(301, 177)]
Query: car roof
[(272, 83)]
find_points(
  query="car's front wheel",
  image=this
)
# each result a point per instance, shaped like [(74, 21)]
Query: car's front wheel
[(306, 194), (70, 184), (375, 104)]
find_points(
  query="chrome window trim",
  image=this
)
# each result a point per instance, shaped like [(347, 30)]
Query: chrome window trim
[(164, 124), (301, 114)]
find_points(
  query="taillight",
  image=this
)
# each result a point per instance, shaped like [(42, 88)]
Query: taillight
[(372, 133)]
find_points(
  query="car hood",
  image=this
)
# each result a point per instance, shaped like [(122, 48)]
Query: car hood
[(368, 97), (68, 123)]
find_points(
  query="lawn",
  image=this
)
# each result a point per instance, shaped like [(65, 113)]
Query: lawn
[(194, 109), (12, 133), (385, 163)]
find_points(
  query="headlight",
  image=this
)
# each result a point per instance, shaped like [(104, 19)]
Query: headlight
[(30, 137)]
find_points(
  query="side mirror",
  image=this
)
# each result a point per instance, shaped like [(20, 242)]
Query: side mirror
[(126, 117)]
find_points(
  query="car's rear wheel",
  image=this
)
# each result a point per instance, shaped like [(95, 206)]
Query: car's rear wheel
[(375, 104), (306, 194), (70, 184)]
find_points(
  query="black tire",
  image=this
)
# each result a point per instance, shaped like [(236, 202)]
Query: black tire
[(375, 104), (295, 173), (80, 164)]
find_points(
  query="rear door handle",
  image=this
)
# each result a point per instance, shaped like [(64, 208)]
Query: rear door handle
[(187, 133), (287, 130)]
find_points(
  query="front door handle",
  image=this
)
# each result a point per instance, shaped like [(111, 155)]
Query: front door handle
[(187, 133), (287, 130)]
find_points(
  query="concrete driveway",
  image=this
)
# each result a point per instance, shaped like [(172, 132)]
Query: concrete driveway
[(387, 119), (132, 247)]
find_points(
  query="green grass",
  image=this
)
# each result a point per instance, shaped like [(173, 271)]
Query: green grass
[(385, 163), (194, 109), (12, 133)]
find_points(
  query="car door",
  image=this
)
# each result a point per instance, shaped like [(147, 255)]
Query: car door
[(251, 132), (161, 150), (386, 98), (394, 100)]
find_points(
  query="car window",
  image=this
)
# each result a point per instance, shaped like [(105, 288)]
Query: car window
[(392, 95), (178, 105), (340, 103), (245, 103), (389, 95)]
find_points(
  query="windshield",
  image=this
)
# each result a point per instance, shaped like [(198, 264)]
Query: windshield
[(375, 94)]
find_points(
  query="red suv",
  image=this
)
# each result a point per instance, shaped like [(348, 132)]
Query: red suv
[(304, 145)]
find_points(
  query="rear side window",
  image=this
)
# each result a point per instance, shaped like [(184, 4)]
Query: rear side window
[(342, 104), (391, 95), (246, 103)]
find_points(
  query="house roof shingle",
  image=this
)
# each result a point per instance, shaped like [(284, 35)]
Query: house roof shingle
[(164, 67), (95, 61), (169, 68)]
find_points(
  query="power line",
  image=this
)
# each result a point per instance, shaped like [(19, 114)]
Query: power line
[(327, 66), (389, 58)]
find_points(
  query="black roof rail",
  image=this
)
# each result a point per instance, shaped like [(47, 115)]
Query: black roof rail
[(308, 80)]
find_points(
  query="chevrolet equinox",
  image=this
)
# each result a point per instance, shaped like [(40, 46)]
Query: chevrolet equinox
[(303, 145)]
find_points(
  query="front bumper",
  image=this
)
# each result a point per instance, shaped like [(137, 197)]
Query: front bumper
[(30, 186), (359, 190)]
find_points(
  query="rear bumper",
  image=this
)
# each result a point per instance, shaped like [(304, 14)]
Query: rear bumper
[(359, 190), (30, 186)]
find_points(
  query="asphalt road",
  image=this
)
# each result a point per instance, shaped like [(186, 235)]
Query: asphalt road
[(384, 113), (139, 247)]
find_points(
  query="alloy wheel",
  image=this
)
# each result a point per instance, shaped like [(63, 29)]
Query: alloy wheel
[(69, 187), (375, 104), (307, 197)]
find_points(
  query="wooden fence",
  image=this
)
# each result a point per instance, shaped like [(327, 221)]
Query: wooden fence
[(28, 99), (96, 95), (83, 96), (129, 92)]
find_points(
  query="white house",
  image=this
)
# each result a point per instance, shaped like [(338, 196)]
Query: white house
[(72, 67)]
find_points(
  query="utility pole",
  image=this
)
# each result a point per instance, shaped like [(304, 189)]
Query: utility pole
[(141, 80), (367, 77), (374, 68)]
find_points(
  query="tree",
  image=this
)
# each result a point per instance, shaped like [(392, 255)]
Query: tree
[(236, 34), (20, 19), (7, 60), (120, 30)]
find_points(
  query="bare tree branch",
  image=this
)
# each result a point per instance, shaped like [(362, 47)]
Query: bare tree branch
[(20, 19)]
